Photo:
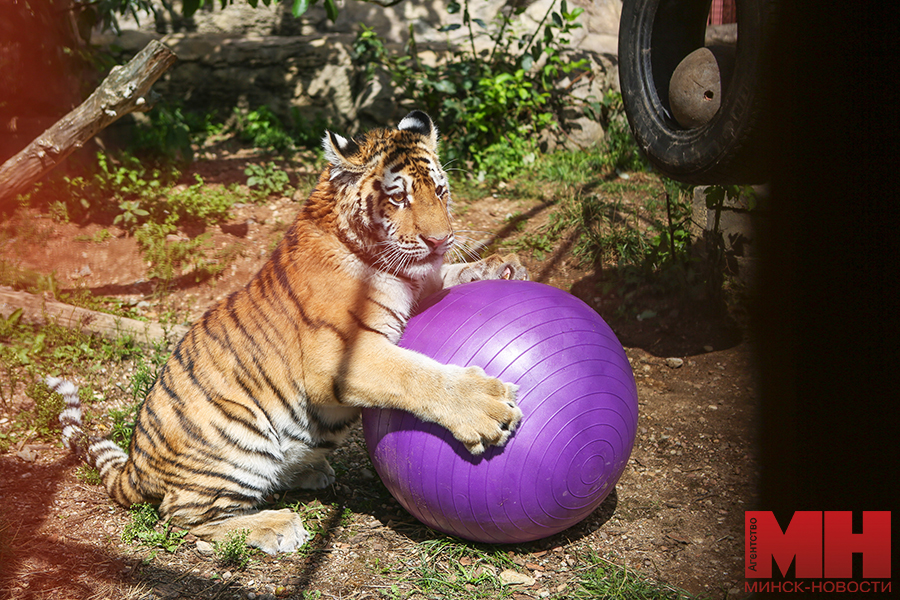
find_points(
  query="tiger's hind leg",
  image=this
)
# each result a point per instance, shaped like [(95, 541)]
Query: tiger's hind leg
[(272, 531), (315, 476)]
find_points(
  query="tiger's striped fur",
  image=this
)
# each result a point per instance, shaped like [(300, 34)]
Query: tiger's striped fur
[(269, 380)]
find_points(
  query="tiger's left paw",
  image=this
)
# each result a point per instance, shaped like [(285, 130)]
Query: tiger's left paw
[(504, 267), (492, 267)]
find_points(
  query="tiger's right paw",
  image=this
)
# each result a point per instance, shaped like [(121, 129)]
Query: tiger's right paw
[(483, 410), (272, 531), (278, 531)]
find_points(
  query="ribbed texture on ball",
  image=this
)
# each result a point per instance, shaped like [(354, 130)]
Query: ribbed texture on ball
[(577, 394)]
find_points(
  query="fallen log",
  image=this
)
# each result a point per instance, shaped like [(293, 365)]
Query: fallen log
[(123, 91), (40, 310)]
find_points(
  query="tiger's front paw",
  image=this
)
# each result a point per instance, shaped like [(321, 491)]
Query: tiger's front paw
[(483, 412)]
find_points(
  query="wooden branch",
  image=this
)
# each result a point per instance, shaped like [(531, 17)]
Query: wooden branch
[(123, 91), (39, 310)]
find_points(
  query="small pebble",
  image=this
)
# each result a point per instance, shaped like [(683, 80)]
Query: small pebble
[(204, 547)]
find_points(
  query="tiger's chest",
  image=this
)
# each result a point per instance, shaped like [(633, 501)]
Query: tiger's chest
[(390, 301)]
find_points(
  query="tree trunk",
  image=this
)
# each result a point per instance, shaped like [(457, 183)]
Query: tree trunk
[(123, 91), (39, 310)]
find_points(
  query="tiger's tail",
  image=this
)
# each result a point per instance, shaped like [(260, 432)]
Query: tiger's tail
[(102, 454)]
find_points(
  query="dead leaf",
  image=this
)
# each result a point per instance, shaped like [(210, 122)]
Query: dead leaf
[(510, 577)]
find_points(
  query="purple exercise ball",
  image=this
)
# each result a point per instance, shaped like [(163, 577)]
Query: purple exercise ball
[(577, 394)]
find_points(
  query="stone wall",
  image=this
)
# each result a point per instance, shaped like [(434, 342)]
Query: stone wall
[(248, 57)]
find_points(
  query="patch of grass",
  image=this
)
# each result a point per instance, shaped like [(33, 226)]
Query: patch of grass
[(143, 519), (26, 280), (28, 353), (97, 238), (59, 211), (150, 204), (200, 203), (170, 257), (148, 366), (115, 306), (47, 406), (603, 579), (234, 551), (450, 568), (123, 424), (88, 474), (637, 226), (165, 134), (265, 131), (142, 529)]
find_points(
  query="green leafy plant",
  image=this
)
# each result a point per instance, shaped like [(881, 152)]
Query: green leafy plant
[(315, 514), (165, 134), (234, 551), (267, 180), (199, 203), (264, 130), (142, 529), (59, 211), (97, 238), (131, 214), (307, 133)]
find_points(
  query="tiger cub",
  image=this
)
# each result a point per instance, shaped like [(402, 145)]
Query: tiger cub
[(270, 379)]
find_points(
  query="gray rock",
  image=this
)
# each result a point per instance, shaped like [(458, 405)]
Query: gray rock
[(205, 548)]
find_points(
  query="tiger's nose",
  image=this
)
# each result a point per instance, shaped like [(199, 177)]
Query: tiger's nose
[(433, 243)]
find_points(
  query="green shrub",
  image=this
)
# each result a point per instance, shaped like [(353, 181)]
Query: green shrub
[(164, 135), (234, 551), (263, 129), (489, 110)]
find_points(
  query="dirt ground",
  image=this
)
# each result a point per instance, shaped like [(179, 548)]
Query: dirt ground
[(676, 513)]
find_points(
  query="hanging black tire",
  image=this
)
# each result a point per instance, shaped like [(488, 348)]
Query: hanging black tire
[(654, 37)]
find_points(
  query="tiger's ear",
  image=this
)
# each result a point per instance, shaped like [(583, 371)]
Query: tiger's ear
[(341, 152), (419, 122)]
